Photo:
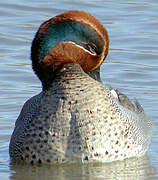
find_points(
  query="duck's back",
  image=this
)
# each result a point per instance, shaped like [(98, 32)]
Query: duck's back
[(78, 120)]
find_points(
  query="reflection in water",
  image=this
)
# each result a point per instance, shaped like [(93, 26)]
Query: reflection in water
[(135, 168)]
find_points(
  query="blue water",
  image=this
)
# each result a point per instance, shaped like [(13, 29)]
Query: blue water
[(131, 66)]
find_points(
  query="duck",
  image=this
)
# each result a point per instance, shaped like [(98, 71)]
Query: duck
[(75, 118)]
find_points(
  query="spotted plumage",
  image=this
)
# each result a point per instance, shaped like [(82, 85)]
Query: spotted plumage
[(75, 118)]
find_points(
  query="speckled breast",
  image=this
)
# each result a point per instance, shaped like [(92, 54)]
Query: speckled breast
[(77, 120)]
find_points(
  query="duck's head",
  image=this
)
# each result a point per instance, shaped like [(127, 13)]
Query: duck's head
[(72, 37)]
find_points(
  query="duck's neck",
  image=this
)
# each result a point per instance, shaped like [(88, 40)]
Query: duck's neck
[(95, 74), (69, 71)]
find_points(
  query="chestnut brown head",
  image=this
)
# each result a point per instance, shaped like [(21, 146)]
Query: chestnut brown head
[(71, 37)]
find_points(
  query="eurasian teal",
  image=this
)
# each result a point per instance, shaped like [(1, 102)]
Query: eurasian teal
[(75, 118)]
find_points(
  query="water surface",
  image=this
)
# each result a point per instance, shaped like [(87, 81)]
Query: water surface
[(131, 66)]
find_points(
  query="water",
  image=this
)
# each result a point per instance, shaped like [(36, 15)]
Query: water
[(131, 66)]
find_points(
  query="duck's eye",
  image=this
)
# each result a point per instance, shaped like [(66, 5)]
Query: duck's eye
[(91, 47)]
